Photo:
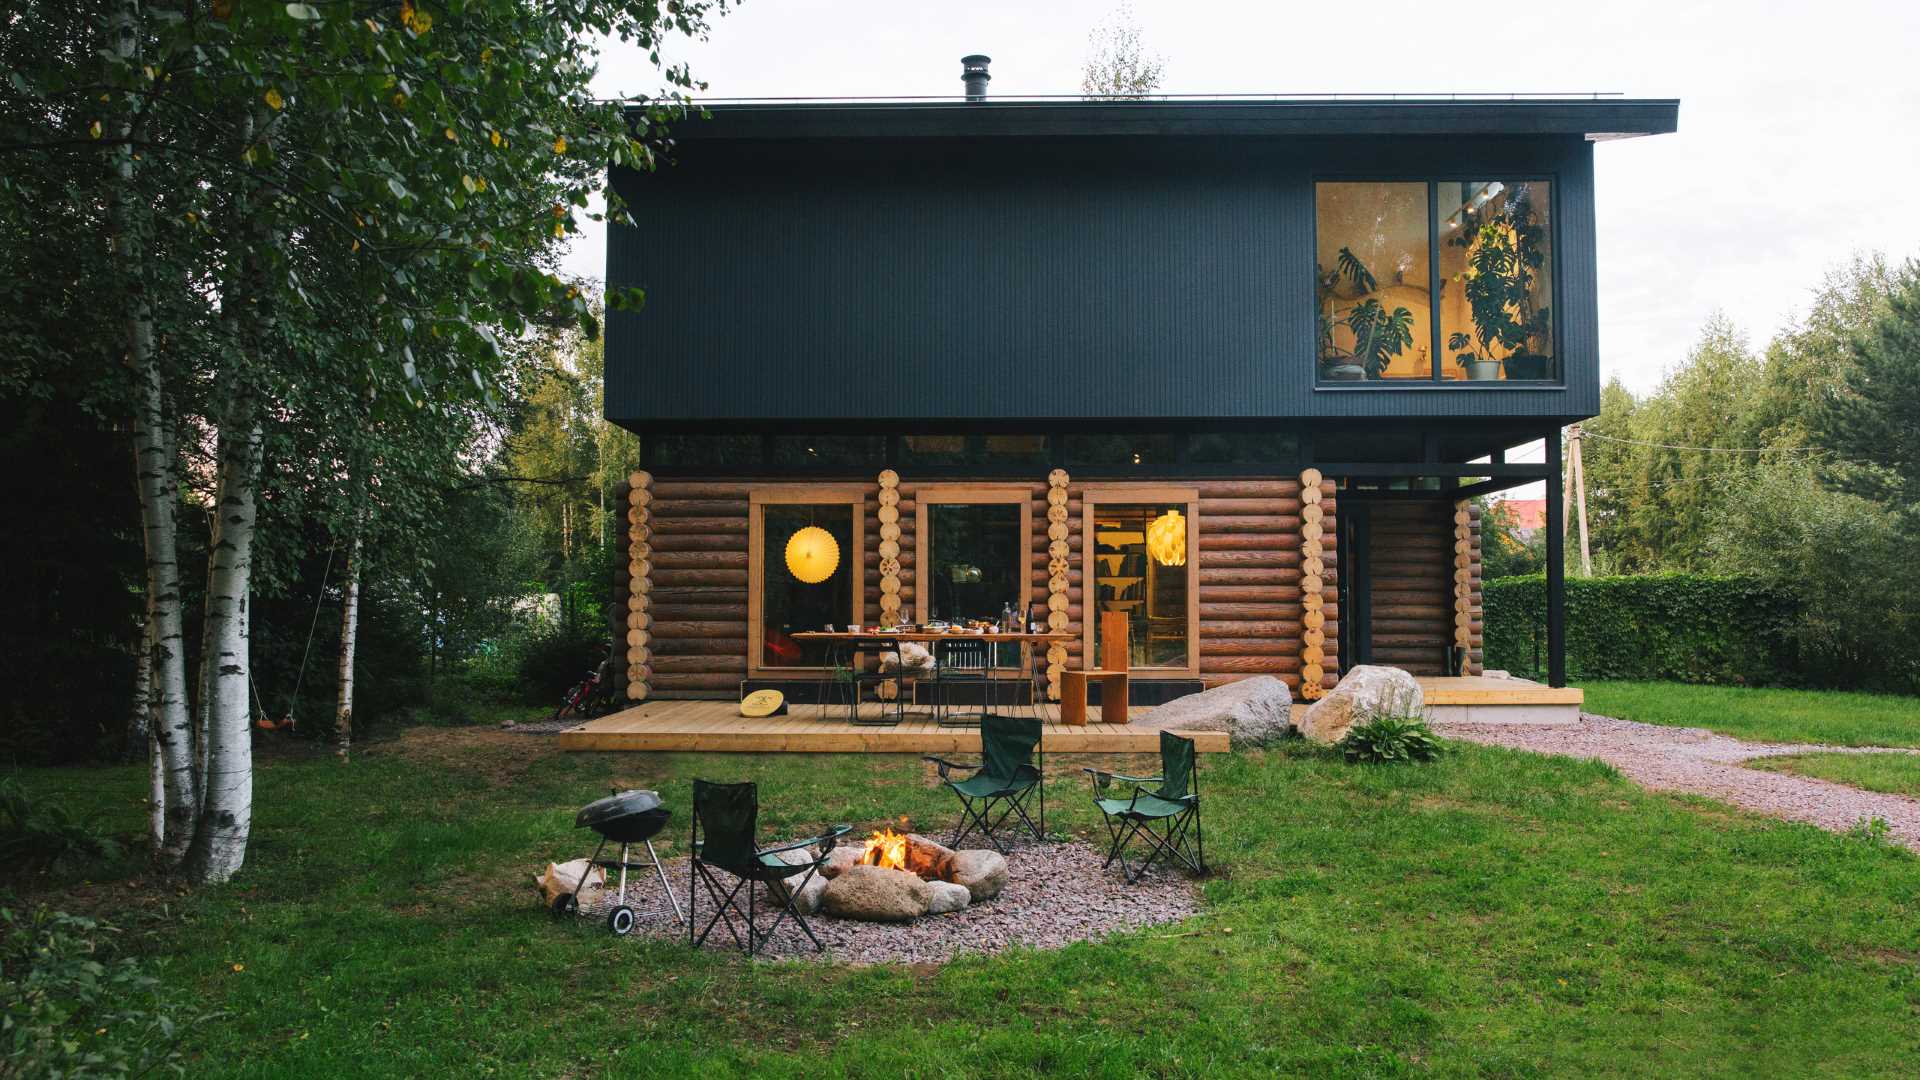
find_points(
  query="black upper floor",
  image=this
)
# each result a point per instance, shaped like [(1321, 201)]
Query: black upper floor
[(1048, 266)]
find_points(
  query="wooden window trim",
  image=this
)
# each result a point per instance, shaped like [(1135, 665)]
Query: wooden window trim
[(928, 495), (758, 499), (1091, 495)]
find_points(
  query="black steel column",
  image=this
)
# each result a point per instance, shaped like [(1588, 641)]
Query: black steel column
[(1556, 565)]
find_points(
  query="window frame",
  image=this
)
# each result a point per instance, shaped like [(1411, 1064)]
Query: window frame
[(927, 496), (1188, 498), (758, 499), (1435, 380)]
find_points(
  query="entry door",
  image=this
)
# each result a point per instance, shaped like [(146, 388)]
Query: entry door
[(1396, 575)]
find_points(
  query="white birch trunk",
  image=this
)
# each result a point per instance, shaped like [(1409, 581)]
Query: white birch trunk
[(349, 639), (155, 464), (220, 846), (140, 712)]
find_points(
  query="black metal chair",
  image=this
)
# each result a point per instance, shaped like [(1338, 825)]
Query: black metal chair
[(959, 661), (1011, 770), (1167, 818), (865, 651), (726, 818)]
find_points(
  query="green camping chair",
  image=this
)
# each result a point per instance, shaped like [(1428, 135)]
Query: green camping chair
[(1167, 818), (1003, 781), (725, 819)]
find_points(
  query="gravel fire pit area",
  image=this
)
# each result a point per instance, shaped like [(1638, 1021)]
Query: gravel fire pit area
[(1041, 895)]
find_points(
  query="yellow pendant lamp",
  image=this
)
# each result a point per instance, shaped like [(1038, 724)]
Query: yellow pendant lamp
[(1167, 539), (812, 555)]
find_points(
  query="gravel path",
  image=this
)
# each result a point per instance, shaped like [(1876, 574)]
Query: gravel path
[(1056, 894), (1700, 762)]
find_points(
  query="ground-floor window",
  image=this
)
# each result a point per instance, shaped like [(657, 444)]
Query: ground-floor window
[(1140, 550), (973, 554), (806, 555)]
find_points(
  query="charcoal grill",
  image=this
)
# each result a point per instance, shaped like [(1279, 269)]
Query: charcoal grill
[(625, 818)]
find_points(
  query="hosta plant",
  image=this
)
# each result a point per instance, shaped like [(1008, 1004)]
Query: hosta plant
[(1389, 738)]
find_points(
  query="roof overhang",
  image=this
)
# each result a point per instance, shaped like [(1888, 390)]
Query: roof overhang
[(1590, 117)]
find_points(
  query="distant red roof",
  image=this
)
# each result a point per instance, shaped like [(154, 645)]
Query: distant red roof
[(1523, 513)]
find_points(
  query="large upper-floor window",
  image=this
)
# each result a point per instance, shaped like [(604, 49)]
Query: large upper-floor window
[(1434, 280)]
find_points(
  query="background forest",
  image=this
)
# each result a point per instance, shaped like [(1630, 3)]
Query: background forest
[(1793, 467)]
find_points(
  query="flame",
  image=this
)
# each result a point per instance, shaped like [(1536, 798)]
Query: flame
[(886, 848)]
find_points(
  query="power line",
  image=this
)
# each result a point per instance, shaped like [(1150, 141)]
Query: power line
[(1712, 449)]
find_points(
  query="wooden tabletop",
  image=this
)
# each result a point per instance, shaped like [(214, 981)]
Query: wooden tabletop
[(1001, 636)]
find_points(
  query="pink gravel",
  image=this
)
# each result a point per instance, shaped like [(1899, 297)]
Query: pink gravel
[(1700, 762), (1056, 894)]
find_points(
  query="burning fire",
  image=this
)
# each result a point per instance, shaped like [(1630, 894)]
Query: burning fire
[(886, 848)]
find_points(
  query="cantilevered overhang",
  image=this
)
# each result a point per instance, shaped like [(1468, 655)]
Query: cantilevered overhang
[(1593, 117)]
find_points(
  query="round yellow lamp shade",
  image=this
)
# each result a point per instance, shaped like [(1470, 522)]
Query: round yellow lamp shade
[(813, 555), (1167, 539)]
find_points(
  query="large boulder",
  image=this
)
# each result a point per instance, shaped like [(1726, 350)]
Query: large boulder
[(1364, 692), (1254, 711), (984, 873), (876, 894)]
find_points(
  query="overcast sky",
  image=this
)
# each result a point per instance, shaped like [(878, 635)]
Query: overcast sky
[(1799, 135)]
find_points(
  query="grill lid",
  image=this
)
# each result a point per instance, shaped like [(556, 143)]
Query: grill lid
[(614, 807)]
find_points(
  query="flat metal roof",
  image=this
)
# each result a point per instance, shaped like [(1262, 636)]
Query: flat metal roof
[(1592, 116)]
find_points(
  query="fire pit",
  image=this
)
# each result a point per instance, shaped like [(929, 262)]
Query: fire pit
[(896, 877)]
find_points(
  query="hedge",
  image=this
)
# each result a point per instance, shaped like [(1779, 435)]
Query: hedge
[(1688, 627)]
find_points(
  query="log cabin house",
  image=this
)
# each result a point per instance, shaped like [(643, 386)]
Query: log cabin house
[(1233, 367)]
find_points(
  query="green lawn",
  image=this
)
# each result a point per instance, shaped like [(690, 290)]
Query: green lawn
[(1497, 913), (1815, 716), (1896, 774)]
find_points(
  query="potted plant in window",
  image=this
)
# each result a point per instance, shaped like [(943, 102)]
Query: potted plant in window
[(1506, 250), (1378, 334)]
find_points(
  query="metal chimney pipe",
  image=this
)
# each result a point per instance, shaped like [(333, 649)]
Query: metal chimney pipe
[(973, 73)]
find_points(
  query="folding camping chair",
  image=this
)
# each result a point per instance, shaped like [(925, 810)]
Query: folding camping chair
[(725, 819), (1167, 818), (1006, 776)]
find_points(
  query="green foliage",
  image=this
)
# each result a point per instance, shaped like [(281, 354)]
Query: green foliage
[(74, 1009), (1687, 627), (43, 834), (1391, 737), (1378, 334), (1895, 774), (555, 657), (1871, 420)]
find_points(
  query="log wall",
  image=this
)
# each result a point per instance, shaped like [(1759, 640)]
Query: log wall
[(1412, 563), (1248, 573)]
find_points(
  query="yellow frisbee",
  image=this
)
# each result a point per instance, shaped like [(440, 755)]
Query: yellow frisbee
[(763, 703)]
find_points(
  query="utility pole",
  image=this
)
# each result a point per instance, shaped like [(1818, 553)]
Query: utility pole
[(1577, 490)]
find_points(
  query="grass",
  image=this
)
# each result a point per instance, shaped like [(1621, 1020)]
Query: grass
[(1895, 774), (1495, 913), (1836, 718)]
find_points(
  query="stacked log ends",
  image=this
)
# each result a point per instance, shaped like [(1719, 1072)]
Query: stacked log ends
[(1463, 586), (1059, 564), (889, 517), (1313, 619), (640, 584)]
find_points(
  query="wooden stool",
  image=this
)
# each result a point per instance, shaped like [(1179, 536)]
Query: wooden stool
[(1116, 656), (1073, 696)]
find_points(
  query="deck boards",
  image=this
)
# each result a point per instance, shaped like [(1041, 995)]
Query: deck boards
[(717, 726)]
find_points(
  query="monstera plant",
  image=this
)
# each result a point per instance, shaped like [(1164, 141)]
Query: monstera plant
[(1378, 334), (1505, 253)]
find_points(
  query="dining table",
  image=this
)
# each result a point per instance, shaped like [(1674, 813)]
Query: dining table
[(841, 642)]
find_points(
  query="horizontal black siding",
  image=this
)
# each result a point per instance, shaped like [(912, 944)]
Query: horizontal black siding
[(1014, 278)]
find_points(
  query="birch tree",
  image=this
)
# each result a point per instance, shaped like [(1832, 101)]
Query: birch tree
[(437, 154)]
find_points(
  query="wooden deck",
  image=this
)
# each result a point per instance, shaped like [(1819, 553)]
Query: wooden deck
[(717, 726)]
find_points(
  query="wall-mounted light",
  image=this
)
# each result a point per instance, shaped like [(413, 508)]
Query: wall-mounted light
[(1167, 539), (812, 555)]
